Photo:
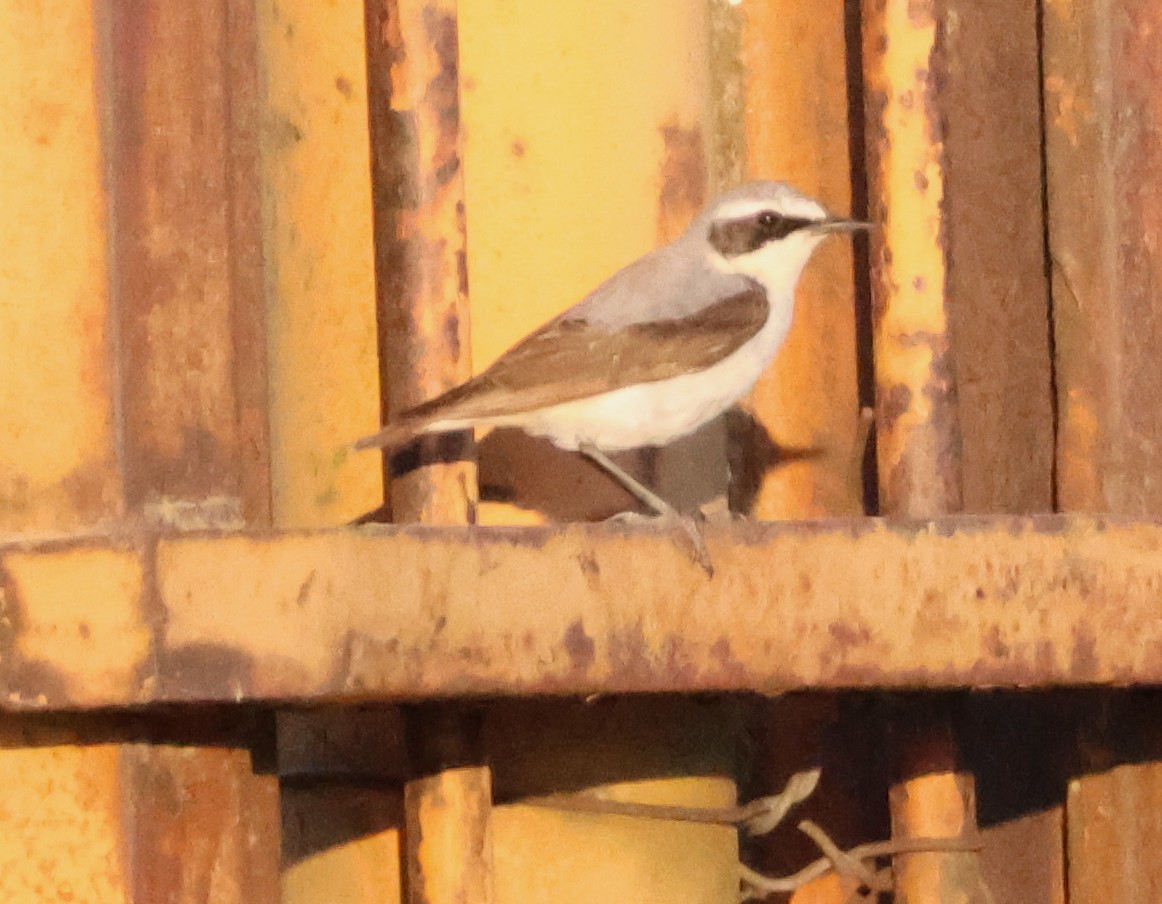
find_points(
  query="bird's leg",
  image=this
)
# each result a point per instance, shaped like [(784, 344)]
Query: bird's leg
[(641, 493), (653, 501)]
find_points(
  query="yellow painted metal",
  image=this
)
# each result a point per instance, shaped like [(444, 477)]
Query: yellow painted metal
[(449, 848), (323, 358), (59, 827), (364, 870), (566, 108), (321, 310), (104, 586), (60, 839), (57, 459), (582, 857), (796, 124), (571, 111), (917, 432)]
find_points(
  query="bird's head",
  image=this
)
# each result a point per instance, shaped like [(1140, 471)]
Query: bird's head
[(767, 231)]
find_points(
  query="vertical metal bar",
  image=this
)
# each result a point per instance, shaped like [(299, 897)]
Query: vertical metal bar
[(177, 285), (918, 433), (206, 824), (1103, 136), (447, 810), (796, 121), (187, 284), (998, 290), (934, 800), (1103, 121), (998, 312), (422, 290), (421, 265)]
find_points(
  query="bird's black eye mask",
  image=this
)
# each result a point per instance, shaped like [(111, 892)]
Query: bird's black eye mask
[(733, 237)]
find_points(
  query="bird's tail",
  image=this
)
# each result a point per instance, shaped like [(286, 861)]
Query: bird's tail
[(391, 437)]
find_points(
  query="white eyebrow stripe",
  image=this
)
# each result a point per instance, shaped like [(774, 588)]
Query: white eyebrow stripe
[(803, 208), (739, 210)]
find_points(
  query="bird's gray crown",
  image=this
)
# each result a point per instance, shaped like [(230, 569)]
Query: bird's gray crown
[(751, 215)]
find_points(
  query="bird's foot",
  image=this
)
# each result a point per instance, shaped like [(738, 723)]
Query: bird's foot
[(689, 526), (717, 511)]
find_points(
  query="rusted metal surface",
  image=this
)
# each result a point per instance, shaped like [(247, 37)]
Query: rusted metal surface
[(1023, 858), (1103, 125), (448, 809), (1114, 830), (1103, 122), (395, 613), (422, 291), (445, 825), (137, 807), (998, 293), (918, 440), (205, 826), (61, 826), (133, 404), (999, 322), (421, 264), (188, 292), (188, 280), (917, 432), (934, 799)]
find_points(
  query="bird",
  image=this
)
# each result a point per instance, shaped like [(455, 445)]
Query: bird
[(666, 344)]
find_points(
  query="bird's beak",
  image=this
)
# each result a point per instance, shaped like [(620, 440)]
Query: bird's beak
[(840, 224)]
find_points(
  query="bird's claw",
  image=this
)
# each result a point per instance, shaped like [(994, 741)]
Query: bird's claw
[(690, 527)]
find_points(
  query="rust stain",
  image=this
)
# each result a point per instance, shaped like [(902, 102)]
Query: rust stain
[(846, 635), (421, 264), (954, 602), (683, 179), (918, 440)]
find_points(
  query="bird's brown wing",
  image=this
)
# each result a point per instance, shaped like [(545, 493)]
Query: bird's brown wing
[(569, 359)]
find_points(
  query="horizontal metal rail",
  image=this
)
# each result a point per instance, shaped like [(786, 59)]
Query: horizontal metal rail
[(393, 613)]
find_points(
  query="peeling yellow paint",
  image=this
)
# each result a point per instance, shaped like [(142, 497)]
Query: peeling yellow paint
[(80, 615), (57, 466)]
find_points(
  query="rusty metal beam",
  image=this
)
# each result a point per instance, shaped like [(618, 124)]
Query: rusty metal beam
[(917, 422), (1103, 134), (419, 612), (1103, 122), (188, 280), (422, 291), (917, 413), (420, 259)]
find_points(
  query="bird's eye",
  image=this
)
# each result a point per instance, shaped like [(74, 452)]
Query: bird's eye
[(768, 219)]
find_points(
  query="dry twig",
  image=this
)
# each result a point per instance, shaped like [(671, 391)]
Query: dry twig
[(756, 886), (756, 818)]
